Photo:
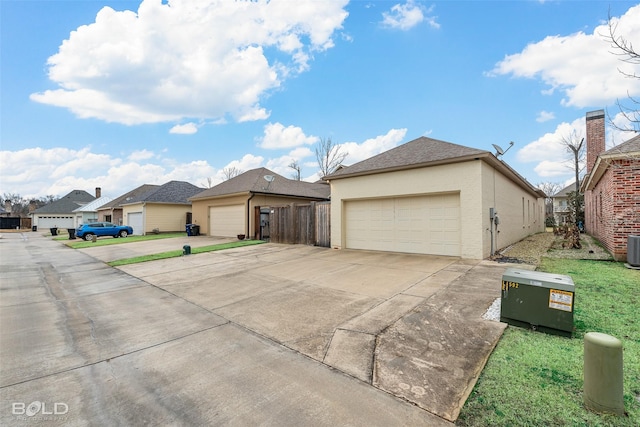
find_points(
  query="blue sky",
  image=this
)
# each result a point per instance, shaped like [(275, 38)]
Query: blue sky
[(115, 94)]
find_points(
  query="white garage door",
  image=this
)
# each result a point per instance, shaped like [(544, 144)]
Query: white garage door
[(421, 224), (226, 221), (60, 221), (134, 220)]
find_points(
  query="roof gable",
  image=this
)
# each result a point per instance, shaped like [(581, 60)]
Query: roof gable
[(253, 181), (67, 203), (417, 153), (94, 205), (175, 192), (129, 196)]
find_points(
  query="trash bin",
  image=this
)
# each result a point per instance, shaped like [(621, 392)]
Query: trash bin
[(54, 231), (188, 227), (186, 250), (195, 230), (72, 233), (34, 228)]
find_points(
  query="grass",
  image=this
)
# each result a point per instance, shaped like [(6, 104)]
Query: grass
[(177, 253), (534, 379), (105, 241)]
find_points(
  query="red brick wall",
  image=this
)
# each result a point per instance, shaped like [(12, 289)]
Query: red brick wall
[(612, 209)]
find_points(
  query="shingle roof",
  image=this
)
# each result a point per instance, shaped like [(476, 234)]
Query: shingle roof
[(630, 146), (176, 192), (416, 153), (566, 190), (67, 203), (254, 181), (131, 195)]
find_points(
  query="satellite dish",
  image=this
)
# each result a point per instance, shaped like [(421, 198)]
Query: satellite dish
[(269, 178), (500, 151)]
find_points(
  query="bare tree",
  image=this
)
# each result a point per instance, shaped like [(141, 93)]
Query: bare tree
[(209, 183), (549, 188), (230, 172), (574, 144), (329, 156), (297, 169), (623, 48)]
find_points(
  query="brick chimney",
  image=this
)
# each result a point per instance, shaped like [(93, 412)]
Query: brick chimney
[(98, 192), (595, 137), (7, 206)]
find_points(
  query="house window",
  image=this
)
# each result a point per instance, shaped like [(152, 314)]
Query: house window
[(523, 223), (107, 218)]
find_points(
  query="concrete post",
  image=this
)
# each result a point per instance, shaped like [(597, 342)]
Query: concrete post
[(603, 388)]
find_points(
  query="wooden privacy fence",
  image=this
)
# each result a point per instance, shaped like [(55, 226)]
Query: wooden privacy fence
[(305, 224)]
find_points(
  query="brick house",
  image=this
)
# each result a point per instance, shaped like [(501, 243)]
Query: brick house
[(611, 188)]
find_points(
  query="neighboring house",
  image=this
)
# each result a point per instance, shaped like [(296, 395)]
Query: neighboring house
[(561, 206), (89, 212), (60, 213), (234, 206), (432, 197), (112, 211), (611, 188), (165, 209)]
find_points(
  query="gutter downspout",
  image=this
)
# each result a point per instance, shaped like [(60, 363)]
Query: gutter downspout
[(249, 213)]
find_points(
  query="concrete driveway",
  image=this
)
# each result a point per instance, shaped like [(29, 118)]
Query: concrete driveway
[(268, 334)]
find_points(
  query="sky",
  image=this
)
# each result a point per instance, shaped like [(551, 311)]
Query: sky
[(117, 93)]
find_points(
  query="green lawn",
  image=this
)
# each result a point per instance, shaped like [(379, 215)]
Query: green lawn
[(177, 253), (107, 240), (534, 379)]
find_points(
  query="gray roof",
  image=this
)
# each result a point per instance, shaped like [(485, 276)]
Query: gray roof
[(630, 146), (566, 190), (174, 192), (67, 203), (253, 181), (131, 195), (419, 152)]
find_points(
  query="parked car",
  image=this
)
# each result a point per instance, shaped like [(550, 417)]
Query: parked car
[(87, 231)]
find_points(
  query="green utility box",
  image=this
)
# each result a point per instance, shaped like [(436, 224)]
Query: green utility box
[(537, 300)]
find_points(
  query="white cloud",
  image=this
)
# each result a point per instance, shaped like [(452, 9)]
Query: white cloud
[(277, 136), (185, 129), (179, 59), (580, 65), (545, 116), (408, 15), (140, 155), (371, 147)]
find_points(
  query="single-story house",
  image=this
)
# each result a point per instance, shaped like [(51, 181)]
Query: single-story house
[(60, 213), (611, 188), (112, 211), (433, 197), (561, 207), (163, 209), (89, 212), (234, 206)]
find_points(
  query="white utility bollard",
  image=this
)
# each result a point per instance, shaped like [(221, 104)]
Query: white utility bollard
[(603, 388)]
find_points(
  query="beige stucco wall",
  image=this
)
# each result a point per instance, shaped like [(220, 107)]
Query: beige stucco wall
[(200, 208), (473, 180), (165, 217)]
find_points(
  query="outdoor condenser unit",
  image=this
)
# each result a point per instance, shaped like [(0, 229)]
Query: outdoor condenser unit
[(537, 300)]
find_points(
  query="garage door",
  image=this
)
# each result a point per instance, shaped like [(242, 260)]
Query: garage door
[(134, 220), (421, 224), (59, 221), (226, 221)]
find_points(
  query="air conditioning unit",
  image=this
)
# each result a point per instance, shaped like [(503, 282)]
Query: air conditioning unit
[(633, 251), (537, 300)]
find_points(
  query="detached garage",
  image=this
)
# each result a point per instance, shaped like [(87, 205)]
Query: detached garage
[(432, 197)]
